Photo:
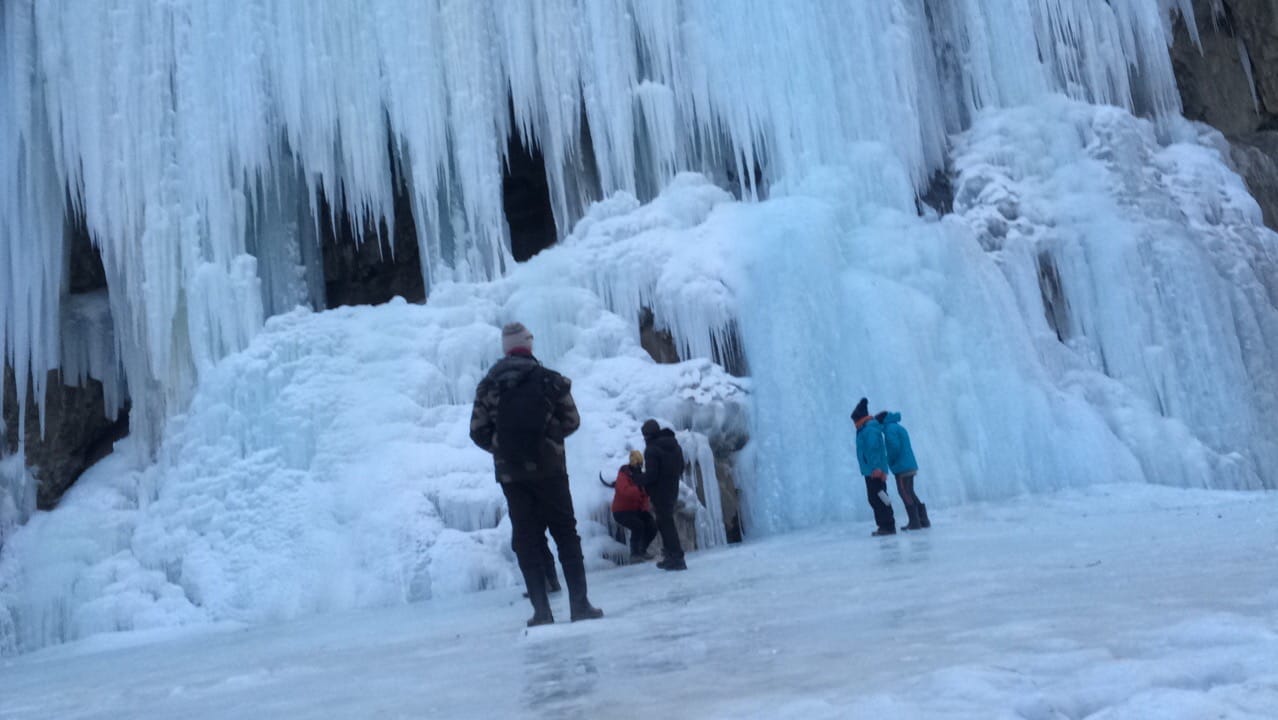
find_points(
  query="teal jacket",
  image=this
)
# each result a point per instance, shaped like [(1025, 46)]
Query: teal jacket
[(871, 452), (900, 454)]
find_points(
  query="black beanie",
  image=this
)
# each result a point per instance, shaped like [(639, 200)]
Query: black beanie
[(861, 410), (650, 428)]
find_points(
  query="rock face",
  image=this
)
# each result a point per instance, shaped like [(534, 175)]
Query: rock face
[(1217, 88), (77, 433), (375, 269), (1256, 158)]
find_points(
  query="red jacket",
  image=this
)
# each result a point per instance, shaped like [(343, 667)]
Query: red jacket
[(628, 496)]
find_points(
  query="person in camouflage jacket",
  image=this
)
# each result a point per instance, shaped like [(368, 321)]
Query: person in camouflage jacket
[(535, 484)]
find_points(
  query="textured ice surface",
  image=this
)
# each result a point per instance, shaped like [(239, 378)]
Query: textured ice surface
[(1124, 601)]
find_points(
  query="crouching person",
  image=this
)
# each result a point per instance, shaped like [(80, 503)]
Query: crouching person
[(631, 507)]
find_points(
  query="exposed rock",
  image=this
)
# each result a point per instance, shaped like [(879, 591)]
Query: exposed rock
[(376, 268), (77, 433), (660, 344), (1256, 158), (724, 468), (1256, 22), (526, 200), (1215, 86), (939, 195), (86, 273)]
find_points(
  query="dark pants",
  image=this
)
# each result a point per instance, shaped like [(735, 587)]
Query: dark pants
[(671, 548), (547, 560), (643, 529), (876, 493), (905, 488), (535, 507)]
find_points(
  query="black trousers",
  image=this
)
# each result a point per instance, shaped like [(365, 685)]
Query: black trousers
[(547, 559), (671, 548), (876, 493), (905, 488), (535, 507), (643, 529)]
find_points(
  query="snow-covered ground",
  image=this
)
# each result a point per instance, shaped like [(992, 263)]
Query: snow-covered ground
[(1115, 601)]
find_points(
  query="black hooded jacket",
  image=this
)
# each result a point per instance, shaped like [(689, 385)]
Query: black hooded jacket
[(662, 468)]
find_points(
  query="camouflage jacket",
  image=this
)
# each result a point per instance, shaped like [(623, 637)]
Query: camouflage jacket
[(564, 421)]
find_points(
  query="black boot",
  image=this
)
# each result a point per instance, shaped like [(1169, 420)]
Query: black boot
[(912, 512), (883, 531), (923, 516), (673, 564), (575, 577), (536, 583)]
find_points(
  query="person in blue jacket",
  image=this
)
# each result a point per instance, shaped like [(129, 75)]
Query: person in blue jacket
[(871, 455), (900, 455)]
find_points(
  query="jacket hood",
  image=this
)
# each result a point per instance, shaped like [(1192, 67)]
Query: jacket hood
[(511, 369), (892, 417)]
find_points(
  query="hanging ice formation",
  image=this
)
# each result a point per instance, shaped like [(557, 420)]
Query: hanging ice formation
[(1099, 306), (196, 137)]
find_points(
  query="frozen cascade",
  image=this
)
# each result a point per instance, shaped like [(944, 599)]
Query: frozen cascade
[(328, 465), (89, 348), (17, 494), (701, 480), (1096, 310), (173, 126)]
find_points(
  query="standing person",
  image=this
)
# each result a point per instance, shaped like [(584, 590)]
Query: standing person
[(631, 506), (871, 455), (522, 413), (663, 462), (900, 455)]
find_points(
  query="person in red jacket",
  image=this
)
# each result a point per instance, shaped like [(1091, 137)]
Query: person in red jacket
[(632, 509)]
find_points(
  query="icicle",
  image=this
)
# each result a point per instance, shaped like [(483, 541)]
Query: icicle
[(701, 477), (172, 126), (1245, 59)]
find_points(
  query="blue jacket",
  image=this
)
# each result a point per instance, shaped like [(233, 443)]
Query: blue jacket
[(871, 452), (900, 454)]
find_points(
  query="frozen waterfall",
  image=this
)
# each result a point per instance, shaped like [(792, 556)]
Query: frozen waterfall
[(1100, 305)]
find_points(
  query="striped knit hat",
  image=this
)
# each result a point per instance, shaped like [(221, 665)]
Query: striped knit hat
[(514, 336)]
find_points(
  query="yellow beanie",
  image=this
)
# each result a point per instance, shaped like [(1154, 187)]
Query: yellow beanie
[(636, 458)]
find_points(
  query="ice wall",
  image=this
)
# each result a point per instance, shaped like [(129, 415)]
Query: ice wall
[(328, 465), (1100, 306), (187, 132)]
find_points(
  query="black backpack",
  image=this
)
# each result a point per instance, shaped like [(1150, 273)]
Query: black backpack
[(524, 410)]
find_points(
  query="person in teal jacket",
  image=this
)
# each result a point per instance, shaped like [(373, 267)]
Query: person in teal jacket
[(872, 456), (900, 458)]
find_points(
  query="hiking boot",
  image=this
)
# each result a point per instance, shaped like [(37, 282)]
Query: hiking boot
[(541, 617), (673, 564), (883, 531), (922, 509), (586, 611)]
